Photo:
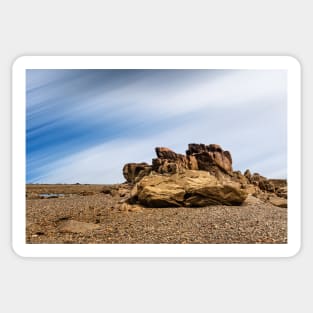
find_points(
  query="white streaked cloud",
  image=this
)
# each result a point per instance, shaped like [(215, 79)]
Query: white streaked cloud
[(244, 111)]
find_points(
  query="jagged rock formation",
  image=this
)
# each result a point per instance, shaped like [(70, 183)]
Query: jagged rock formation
[(169, 162), (165, 182), (211, 157)]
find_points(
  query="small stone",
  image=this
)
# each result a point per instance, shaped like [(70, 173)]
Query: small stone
[(72, 226)]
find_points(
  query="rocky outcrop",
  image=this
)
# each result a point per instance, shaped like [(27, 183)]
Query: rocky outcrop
[(211, 158), (160, 184), (191, 188)]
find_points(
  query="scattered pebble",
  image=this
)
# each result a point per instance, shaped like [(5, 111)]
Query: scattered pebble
[(97, 217)]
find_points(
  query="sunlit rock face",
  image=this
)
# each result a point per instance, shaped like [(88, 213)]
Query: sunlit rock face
[(203, 176), (190, 189)]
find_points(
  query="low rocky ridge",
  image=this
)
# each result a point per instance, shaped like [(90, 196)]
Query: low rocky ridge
[(202, 177)]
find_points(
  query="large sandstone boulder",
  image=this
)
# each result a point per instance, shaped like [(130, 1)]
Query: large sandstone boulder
[(191, 188)]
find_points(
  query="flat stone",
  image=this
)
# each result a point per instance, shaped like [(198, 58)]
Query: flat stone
[(278, 201), (72, 226)]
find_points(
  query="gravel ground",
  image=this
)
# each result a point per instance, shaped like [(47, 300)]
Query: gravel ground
[(56, 220)]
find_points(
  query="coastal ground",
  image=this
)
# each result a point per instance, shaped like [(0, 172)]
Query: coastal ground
[(96, 214)]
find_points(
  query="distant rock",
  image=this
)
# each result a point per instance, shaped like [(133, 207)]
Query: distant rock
[(278, 201), (280, 185), (191, 189), (282, 192), (107, 190), (87, 193)]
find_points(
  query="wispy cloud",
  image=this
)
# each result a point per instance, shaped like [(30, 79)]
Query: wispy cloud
[(83, 126)]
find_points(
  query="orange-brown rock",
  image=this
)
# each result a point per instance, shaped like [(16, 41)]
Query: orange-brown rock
[(211, 156), (262, 182), (280, 185), (211, 159), (166, 153), (278, 201), (135, 171), (247, 174), (169, 162)]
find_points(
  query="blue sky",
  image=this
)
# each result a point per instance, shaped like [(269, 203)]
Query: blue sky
[(84, 125)]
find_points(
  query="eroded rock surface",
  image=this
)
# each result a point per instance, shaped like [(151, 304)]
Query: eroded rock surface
[(162, 183), (210, 156), (169, 162), (191, 189)]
